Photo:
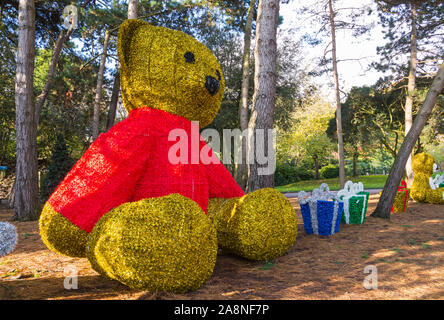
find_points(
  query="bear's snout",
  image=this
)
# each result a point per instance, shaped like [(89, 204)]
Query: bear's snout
[(212, 85)]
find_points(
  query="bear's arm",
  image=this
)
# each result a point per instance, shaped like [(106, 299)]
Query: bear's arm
[(104, 177), (220, 182)]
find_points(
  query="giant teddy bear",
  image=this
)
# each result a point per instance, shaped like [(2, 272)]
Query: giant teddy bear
[(421, 191), (142, 219)]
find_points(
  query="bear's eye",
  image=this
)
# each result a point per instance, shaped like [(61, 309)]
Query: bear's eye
[(189, 57), (218, 75)]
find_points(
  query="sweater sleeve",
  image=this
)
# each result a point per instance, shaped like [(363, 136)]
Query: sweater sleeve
[(220, 182), (104, 177)]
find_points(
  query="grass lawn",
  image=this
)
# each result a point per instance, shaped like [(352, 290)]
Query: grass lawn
[(370, 182)]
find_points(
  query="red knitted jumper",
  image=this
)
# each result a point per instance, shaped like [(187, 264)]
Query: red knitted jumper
[(130, 162)]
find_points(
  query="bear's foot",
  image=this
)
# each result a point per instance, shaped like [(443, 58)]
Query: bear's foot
[(157, 244), (261, 225), (60, 235)]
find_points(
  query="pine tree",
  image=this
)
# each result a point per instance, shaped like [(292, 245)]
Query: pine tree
[(26, 201), (264, 97), (388, 193), (413, 30), (59, 166)]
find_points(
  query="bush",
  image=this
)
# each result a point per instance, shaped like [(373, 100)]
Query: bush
[(286, 174), (329, 171), (361, 168), (59, 166)]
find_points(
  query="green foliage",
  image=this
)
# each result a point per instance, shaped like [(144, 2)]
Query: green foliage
[(59, 166), (305, 141), (362, 168), (371, 117), (7, 102), (292, 85), (286, 173), (370, 182), (329, 171), (69, 106), (396, 19), (348, 19)]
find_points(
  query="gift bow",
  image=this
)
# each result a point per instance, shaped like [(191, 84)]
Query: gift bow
[(350, 189), (321, 193), (434, 183), (403, 187)]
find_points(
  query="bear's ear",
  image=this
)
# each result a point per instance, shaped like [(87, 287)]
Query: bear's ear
[(126, 32)]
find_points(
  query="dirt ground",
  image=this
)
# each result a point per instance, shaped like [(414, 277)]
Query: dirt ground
[(408, 252)]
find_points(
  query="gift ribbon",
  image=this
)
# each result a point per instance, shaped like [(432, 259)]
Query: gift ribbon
[(314, 215), (335, 216)]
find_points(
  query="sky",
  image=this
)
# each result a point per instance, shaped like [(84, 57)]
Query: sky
[(362, 50)]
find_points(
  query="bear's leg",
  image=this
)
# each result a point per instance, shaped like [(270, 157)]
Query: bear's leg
[(60, 235), (420, 187), (261, 225), (435, 196), (156, 244)]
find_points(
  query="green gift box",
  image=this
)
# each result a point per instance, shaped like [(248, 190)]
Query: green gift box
[(437, 182), (355, 203)]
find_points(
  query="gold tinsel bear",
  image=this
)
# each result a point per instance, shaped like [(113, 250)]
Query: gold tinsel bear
[(138, 217), (422, 164)]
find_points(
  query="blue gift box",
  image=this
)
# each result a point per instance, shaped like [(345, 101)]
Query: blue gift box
[(321, 215)]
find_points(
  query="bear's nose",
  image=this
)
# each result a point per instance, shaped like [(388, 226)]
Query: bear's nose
[(212, 85)]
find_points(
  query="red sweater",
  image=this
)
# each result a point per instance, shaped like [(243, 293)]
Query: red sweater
[(130, 162)]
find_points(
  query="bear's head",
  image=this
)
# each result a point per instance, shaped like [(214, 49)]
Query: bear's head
[(423, 163), (168, 70)]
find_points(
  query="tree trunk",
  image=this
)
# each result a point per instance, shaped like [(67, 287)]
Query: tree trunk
[(316, 164), (241, 171), (355, 165), (40, 101), (132, 9), (26, 195), (388, 193), (114, 101), (11, 196), (98, 97), (264, 89), (411, 87), (337, 98), (132, 14)]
